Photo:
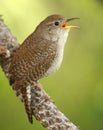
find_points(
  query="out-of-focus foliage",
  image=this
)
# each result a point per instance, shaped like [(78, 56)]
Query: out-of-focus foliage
[(77, 88)]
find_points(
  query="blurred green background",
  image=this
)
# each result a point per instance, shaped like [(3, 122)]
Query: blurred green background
[(77, 88)]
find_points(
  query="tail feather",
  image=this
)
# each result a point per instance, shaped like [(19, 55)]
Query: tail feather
[(26, 96)]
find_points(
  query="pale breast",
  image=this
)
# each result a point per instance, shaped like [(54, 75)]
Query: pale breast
[(59, 55), (56, 63)]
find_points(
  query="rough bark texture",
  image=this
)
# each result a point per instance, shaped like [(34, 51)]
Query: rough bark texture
[(42, 106)]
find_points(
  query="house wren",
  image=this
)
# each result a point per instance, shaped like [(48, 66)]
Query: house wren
[(39, 56)]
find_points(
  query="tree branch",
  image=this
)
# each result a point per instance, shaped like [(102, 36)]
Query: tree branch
[(42, 106)]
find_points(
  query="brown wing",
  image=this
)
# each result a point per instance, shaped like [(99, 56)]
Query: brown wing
[(32, 60)]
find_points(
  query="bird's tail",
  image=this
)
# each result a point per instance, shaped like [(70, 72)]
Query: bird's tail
[(25, 95)]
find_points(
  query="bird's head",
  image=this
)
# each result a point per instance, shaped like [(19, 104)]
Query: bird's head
[(55, 27)]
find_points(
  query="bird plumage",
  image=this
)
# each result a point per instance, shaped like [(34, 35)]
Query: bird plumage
[(39, 56)]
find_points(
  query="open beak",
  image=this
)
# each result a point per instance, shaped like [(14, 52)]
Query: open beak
[(71, 26)]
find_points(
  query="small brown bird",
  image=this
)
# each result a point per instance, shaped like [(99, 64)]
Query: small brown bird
[(39, 56)]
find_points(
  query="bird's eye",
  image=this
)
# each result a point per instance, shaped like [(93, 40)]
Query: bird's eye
[(56, 23)]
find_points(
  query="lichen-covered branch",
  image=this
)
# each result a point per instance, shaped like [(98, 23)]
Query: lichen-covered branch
[(42, 105)]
